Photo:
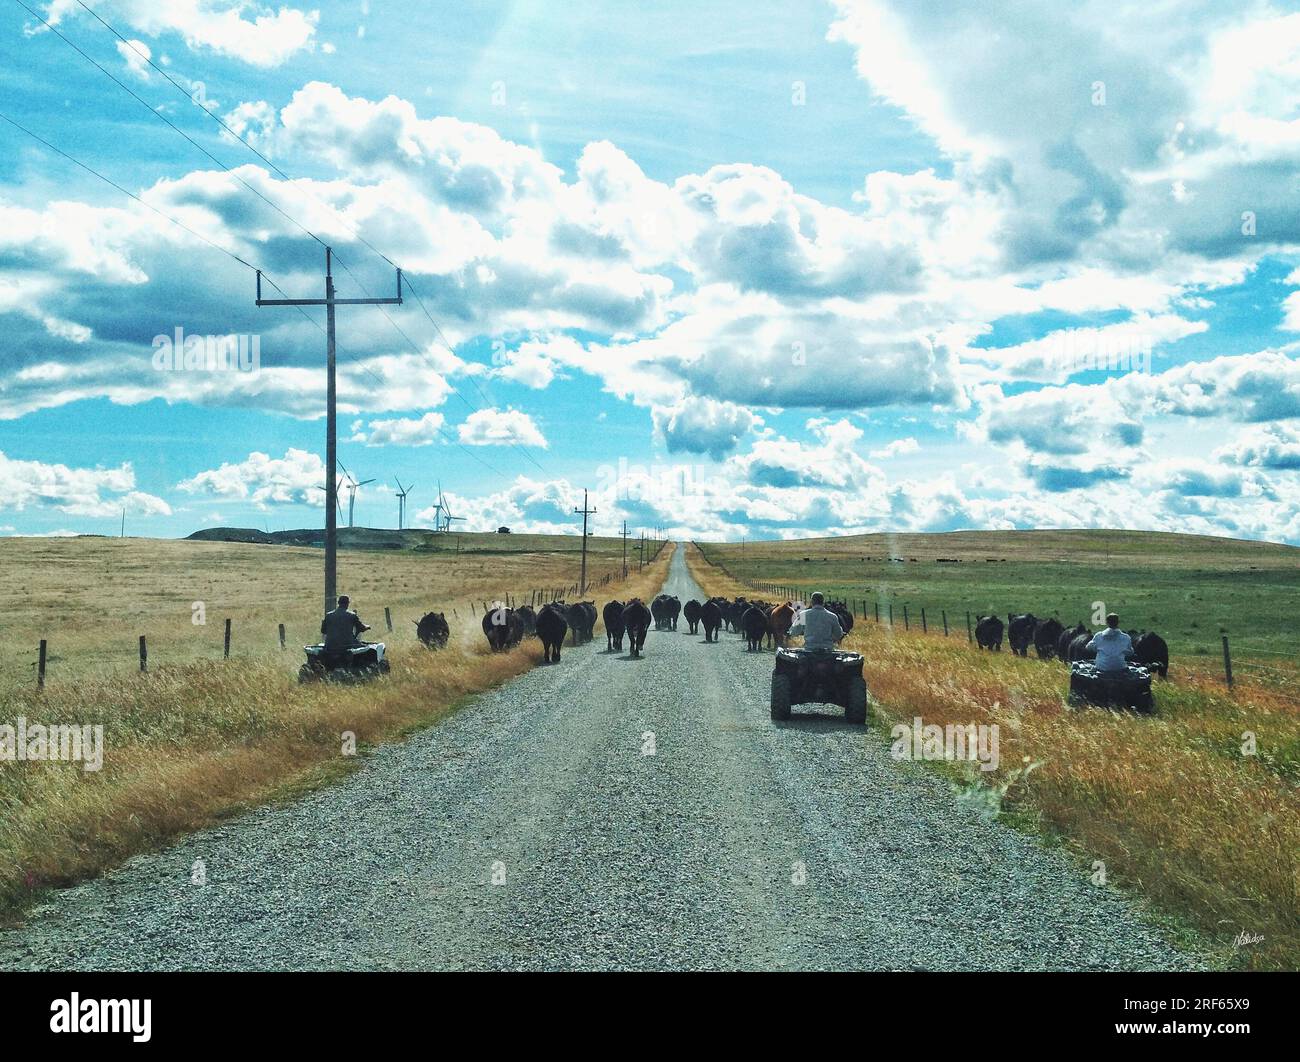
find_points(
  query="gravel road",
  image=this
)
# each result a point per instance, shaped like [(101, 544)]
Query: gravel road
[(531, 830)]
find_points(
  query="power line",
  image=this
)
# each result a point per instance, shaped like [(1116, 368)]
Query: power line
[(281, 173), (230, 254)]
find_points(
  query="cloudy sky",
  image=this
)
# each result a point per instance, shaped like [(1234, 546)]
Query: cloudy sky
[(750, 268)]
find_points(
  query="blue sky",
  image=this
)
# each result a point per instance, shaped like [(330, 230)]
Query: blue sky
[(762, 269)]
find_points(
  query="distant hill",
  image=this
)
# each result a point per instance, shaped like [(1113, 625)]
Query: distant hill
[(349, 537)]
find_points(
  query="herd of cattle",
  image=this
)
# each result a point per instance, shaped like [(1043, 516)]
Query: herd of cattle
[(1051, 639), (761, 622)]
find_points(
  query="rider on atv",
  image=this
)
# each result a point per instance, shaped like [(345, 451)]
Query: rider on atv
[(819, 626), (341, 629)]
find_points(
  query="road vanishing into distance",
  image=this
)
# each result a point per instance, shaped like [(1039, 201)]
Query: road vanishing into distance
[(608, 813)]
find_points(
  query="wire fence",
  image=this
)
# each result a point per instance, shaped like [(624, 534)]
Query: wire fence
[(534, 598), (913, 616)]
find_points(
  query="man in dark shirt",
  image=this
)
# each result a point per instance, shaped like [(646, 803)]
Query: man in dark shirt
[(341, 628)]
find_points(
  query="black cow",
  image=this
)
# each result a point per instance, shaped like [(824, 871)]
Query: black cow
[(1067, 638), (503, 628), (691, 610), (664, 609), (988, 633), (1020, 633), (1046, 635), (529, 619), (636, 621), (551, 629), (1150, 650), (582, 620), (613, 616), (432, 630), (711, 616), (754, 625), (1079, 648), (843, 614)]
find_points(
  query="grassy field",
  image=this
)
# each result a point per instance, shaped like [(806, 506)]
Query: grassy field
[(198, 737), (1168, 806), (1192, 589), (92, 598)]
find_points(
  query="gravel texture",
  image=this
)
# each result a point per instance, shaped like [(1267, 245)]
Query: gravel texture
[(531, 831)]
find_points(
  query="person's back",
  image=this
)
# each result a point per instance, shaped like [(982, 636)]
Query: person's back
[(819, 626), (341, 627), (1112, 646)]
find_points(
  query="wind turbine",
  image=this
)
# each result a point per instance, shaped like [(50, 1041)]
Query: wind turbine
[(352, 491), (446, 511), (402, 492)]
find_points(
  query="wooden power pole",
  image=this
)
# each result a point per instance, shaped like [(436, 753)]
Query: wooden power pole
[(584, 512), (331, 433), (625, 534)]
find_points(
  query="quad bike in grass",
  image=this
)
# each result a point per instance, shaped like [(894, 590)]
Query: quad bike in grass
[(805, 676), (1130, 688), (357, 663)]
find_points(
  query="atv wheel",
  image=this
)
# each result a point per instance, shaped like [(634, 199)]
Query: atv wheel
[(780, 698), (384, 667), (307, 673), (856, 712)]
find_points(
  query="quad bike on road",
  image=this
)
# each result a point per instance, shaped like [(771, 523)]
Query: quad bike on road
[(804, 676)]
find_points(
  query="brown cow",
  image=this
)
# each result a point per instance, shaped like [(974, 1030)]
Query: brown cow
[(779, 621)]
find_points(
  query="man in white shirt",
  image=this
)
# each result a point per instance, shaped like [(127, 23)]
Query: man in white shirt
[(1112, 645), (819, 626)]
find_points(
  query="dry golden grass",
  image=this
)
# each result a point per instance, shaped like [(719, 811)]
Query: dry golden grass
[(92, 598), (192, 741), (1169, 804)]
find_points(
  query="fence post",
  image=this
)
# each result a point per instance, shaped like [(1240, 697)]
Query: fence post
[(907, 624), (144, 655), (969, 636), (40, 667), (877, 611), (388, 619), (1227, 661), (282, 636), (945, 623), (891, 615), (925, 627), (226, 656)]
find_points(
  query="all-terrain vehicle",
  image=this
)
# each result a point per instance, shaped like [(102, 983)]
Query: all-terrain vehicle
[(1130, 688), (357, 663), (806, 676)]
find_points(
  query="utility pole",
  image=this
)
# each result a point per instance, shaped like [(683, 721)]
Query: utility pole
[(625, 534), (123, 535), (585, 512), (331, 414)]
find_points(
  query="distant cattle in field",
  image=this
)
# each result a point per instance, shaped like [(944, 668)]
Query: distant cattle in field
[(612, 614), (1047, 633), (988, 633), (691, 610), (636, 621), (1067, 638), (711, 619), (502, 627), (552, 626), (431, 629), (779, 622), (1020, 633), (754, 625), (1151, 651)]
